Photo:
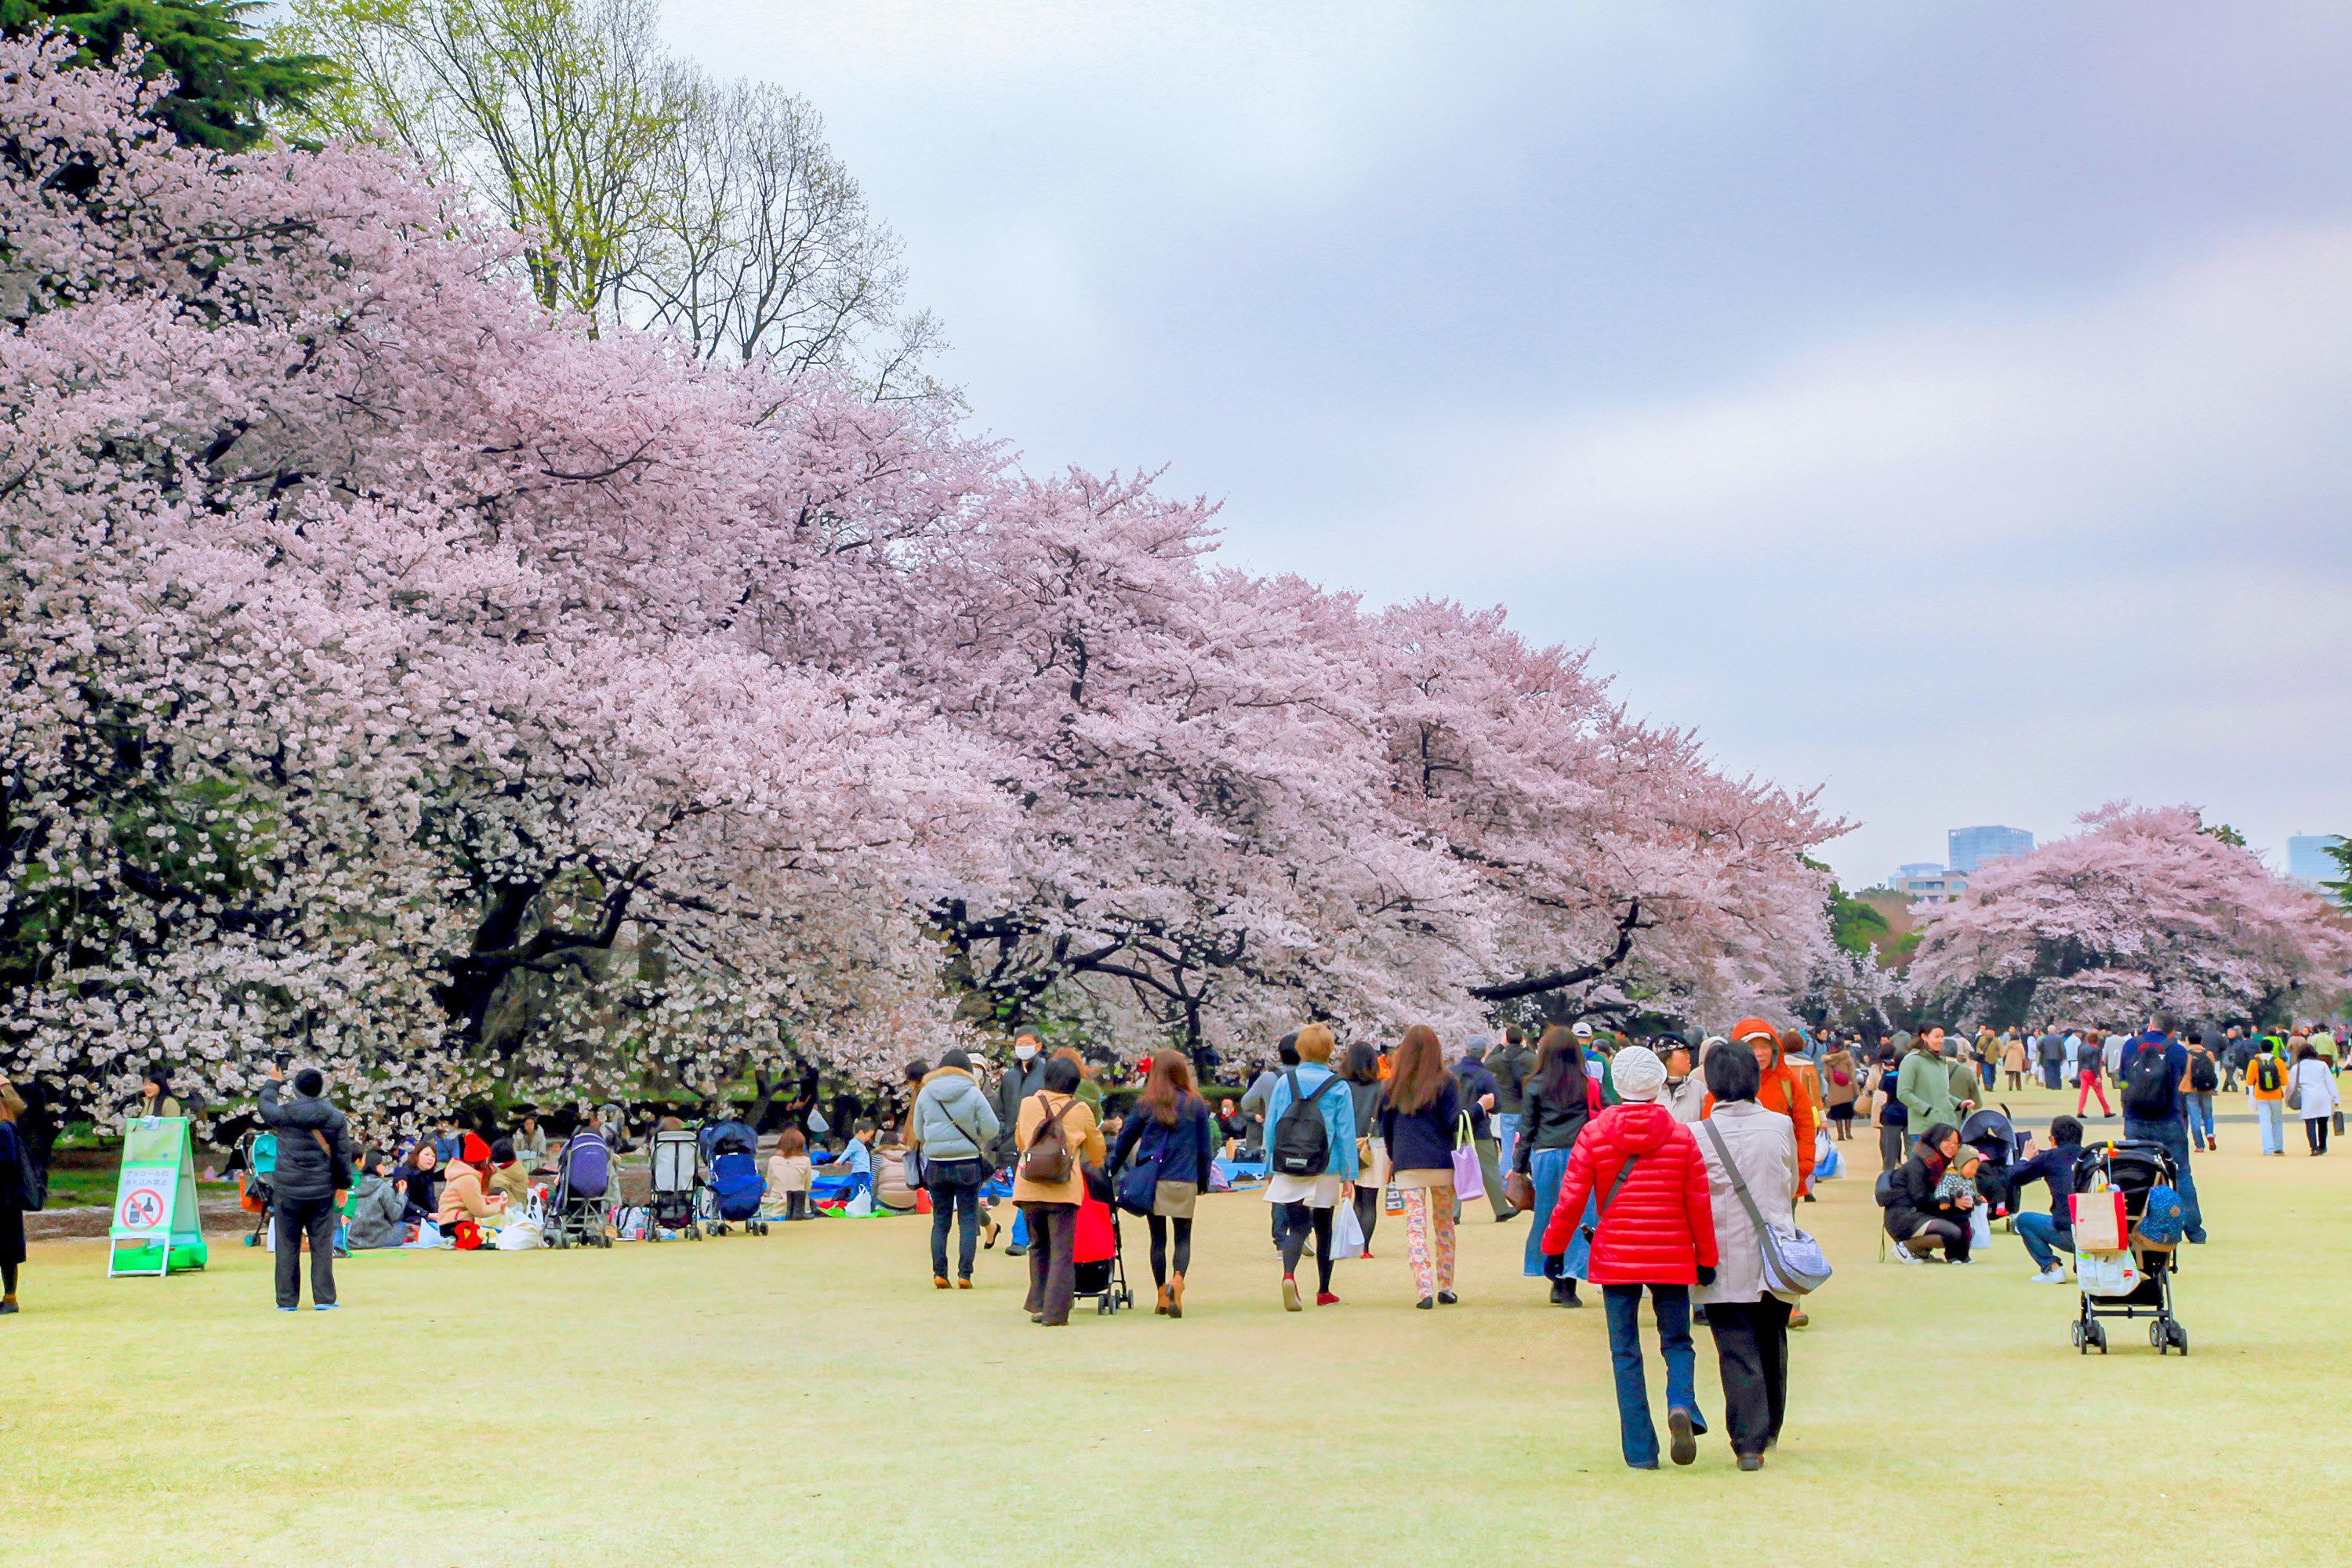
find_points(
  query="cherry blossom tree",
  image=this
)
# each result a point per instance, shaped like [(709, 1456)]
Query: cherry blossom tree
[(2139, 910)]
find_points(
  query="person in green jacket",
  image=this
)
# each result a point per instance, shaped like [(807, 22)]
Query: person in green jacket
[(1923, 1085)]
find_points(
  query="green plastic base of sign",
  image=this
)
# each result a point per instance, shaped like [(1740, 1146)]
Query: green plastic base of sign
[(143, 1258)]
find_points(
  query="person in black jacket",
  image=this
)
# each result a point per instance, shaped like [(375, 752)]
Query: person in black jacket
[(1479, 1094), (314, 1166), (17, 1157), (2046, 1235), (1170, 1130), (1916, 1216), (1553, 1106), (1361, 1069), (1420, 1115)]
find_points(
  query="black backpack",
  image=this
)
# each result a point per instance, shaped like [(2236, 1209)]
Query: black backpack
[(2148, 1083), (1301, 1146), (2202, 1078)]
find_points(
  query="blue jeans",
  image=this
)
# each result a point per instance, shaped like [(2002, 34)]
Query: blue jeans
[(2044, 1236), (1546, 1168), (1507, 1136), (1670, 1305), (2174, 1135), (2200, 1117), (2271, 1115)]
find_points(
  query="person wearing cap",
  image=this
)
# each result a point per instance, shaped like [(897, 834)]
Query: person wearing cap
[(466, 1195), (1655, 1233), (1478, 1098)]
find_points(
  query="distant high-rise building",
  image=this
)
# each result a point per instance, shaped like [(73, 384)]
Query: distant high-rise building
[(1969, 848), (2307, 858)]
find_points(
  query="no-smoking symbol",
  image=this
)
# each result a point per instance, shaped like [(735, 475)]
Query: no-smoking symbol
[(143, 1210)]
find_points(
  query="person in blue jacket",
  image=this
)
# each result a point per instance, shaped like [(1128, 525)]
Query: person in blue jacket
[(1305, 1200), (1169, 1132), (2048, 1234)]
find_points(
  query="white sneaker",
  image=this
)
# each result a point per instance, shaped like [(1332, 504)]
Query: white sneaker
[(1904, 1254), (2054, 1275)]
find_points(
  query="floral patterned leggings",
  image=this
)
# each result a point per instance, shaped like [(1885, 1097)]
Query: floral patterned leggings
[(1429, 1228)]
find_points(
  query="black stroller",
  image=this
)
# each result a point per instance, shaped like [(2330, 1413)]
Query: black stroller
[(1992, 1135), (1100, 1248), (2135, 1170)]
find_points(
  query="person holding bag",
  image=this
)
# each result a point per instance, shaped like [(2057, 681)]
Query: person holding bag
[(1057, 1138), (1751, 1175), (1420, 1125), (1168, 1134), (950, 1130)]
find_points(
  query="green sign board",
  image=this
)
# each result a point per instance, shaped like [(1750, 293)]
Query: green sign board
[(155, 1228)]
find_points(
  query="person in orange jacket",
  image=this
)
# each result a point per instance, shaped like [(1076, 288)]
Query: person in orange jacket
[(1785, 1090)]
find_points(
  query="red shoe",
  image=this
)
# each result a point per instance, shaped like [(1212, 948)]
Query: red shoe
[(1325, 1298)]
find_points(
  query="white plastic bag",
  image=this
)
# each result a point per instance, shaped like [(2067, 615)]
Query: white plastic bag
[(2105, 1273), (860, 1206), (1346, 1234), (519, 1235)]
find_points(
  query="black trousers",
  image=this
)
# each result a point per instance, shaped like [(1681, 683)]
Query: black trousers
[(298, 1217), (1298, 1219), (2315, 1132), (1954, 1234), (1751, 1350), (1159, 1228), (1053, 1260), (1367, 1211)]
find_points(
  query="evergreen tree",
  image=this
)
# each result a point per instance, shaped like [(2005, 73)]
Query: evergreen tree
[(228, 78)]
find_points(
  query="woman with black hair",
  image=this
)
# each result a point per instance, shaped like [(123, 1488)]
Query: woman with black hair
[(1554, 1109), (1362, 1071), (1917, 1219), (1050, 1205), (1749, 1147)]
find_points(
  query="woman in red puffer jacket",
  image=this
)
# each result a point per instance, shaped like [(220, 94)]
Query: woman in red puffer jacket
[(1656, 1232)]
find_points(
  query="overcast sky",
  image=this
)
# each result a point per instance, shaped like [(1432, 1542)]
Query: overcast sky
[(1942, 404)]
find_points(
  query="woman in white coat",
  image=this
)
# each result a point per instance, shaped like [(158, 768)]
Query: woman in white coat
[(2313, 1087), (1750, 1324)]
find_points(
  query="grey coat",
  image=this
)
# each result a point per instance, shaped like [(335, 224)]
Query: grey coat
[(375, 1215), (953, 1119), (1764, 1144)]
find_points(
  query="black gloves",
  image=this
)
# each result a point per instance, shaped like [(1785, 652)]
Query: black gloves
[(1705, 1274)]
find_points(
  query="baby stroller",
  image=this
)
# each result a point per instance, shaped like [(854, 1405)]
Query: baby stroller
[(1101, 1262), (257, 1154), (1992, 1135), (674, 1201), (735, 1187), (580, 1211), (2135, 1170)]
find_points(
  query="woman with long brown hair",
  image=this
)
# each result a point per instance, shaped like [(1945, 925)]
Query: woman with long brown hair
[(1556, 1105), (1420, 1121), (1170, 1133)]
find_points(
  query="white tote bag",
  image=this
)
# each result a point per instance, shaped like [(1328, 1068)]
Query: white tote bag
[(1346, 1234)]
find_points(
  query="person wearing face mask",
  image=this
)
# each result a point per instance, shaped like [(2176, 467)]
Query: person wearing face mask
[(1022, 1077)]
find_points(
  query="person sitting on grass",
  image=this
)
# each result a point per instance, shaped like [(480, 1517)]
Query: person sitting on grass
[(508, 1179), (789, 1173), (377, 1206), (465, 1197), (419, 1181), (2047, 1235), (529, 1142)]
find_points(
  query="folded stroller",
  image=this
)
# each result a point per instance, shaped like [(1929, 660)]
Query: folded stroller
[(2139, 1171), (735, 1187), (675, 1200), (580, 1210)]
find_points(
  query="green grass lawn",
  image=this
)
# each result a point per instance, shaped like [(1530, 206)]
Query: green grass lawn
[(810, 1395)]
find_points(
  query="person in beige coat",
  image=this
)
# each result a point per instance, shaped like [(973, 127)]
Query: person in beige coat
[(1750, 1324), (1052, 1207)]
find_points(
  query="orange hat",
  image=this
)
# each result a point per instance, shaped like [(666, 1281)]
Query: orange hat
[(1746, 1029)]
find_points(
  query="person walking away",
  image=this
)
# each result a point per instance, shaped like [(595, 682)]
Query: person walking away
[(1259, 1095), (1170, 1132), (2154, 1109), (1887, 1113), (1655, 1233), (377, 1206), (1362, 1071), (1310, 1144), (2013, 1060), (2311, 1084), (1510, 1064), (2050, 1050), (1057, 1137), (2267, 1089), (1745, 1145), (1420, 1120), (2046, 1235), (1925, 1087), (23, 1176), (2196, 1090), (1841, 1088), (314, 1162), (954, 1127), (1022, 1077), (1555, 1108), (1917, 1219), (1478, 1095), (2090, 1074)]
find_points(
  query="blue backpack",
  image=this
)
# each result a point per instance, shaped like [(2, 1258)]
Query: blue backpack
[(2165, 1219)]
